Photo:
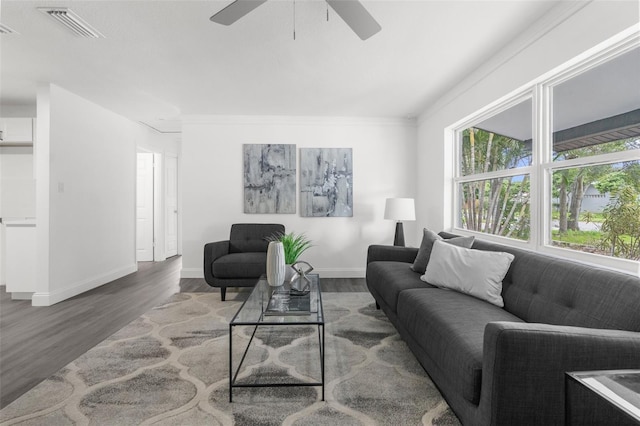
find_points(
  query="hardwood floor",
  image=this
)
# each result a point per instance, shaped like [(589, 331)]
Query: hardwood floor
[(35, 342)]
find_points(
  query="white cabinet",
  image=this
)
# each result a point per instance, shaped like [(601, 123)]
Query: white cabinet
[(16, 130), (20, 254)]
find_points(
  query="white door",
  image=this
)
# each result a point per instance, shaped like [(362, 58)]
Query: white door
[(144, 208), (171, 203)]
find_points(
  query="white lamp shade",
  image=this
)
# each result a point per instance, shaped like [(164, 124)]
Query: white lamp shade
[(400, 209)]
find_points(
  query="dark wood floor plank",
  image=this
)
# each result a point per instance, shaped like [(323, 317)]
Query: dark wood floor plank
[(35, 342)]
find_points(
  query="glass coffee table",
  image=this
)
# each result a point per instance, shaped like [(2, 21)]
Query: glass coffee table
[(278, 307), (603, 397)]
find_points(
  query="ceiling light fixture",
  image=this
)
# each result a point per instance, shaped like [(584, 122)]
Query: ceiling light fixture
[(352, 13), (72, 21), (6, 30)]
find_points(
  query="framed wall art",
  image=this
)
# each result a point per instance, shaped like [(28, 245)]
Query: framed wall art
[(269, 178), (326, 182)]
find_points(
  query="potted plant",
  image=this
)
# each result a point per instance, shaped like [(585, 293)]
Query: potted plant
[(294, 245)]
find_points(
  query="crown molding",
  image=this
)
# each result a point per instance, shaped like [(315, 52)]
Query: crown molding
[(282, 120)]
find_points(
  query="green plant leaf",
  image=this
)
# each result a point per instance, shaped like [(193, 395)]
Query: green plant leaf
[(294, 245)]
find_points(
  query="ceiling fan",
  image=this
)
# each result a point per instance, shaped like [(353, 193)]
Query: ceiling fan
[(351, 11)]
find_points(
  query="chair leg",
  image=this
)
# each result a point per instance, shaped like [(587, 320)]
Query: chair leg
[(223, 293), (377, 306)]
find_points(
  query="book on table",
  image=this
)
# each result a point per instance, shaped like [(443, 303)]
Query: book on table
[(284, 301)]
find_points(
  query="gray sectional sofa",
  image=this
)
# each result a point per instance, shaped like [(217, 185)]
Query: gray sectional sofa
[(506, 366)]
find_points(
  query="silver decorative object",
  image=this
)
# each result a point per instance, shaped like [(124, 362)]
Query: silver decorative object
[(300, 284)]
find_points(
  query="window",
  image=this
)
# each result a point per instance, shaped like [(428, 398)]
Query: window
[(563, 177), (596, 127), (493, 190)]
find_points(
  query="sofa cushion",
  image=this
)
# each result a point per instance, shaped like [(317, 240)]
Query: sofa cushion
[(240, 265), (426, 246), (252, 237), (450, 328), (545, 289), (388, 279), (478, 273)]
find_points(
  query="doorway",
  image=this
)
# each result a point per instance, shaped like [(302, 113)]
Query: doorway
[(157, 222), (171, 206), (144, 208)]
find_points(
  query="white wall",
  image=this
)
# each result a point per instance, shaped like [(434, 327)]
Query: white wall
[(162, 143), (17, 191), (17, 185), (85, 169), (535, 53), (212, 184)]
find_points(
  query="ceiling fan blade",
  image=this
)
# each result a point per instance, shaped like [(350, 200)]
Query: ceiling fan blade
[(235, 11), (356, 16)]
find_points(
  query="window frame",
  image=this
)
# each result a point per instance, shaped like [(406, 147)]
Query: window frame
[(540, 91)]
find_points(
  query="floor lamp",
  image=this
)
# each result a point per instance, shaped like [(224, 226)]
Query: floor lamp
[(399, 209)]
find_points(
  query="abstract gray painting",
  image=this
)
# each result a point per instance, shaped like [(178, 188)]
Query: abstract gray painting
[(326, 182), (269, 178)]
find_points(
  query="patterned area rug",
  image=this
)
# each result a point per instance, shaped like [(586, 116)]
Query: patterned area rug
[(170, 367)]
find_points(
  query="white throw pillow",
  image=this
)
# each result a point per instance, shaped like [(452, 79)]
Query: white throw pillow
[(478, 273)]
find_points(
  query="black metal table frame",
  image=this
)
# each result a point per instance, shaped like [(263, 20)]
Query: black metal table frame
[(234, 376)]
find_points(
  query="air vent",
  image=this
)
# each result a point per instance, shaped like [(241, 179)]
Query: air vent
[(6, 30), (72, 21)]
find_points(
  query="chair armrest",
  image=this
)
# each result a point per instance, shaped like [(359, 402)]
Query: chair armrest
[(524, 366), (391, 254), (213, 251)]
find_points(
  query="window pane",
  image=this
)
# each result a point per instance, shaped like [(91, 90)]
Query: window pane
[(498, 143), (596, 209), (598, 111), (496, 206)]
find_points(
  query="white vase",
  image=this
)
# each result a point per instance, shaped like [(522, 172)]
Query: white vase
[(275, 264)]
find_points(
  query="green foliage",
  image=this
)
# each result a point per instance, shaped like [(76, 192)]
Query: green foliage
[(294, 245), (632, 173), (497, 206), (501, 206), (577, 237), (611, 182), (621, 226), (484, 151)]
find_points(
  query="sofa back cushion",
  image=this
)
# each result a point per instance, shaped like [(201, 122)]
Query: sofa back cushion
[(545, 289), (478, 273), (252, 237)]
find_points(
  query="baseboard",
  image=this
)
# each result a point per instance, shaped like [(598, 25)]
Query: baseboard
[(21, 296), (324, 272), (340, 272), (191, 273), (53, 297)]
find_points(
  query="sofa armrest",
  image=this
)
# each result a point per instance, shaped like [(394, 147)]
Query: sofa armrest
[(391, 254), (524, 366), (213, 251)]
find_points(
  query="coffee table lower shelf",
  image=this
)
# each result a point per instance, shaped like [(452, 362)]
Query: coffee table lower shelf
[(233, 376)]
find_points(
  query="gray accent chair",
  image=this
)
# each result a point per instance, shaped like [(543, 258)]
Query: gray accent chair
[(240, 260)]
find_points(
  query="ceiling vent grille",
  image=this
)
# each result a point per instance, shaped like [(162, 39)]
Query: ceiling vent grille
[(72, 21), (6, 30)]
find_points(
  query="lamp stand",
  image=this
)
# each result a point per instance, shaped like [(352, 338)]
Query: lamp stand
[(398, 240)]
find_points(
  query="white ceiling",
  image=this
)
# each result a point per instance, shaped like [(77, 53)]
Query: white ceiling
[(162, 59)]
